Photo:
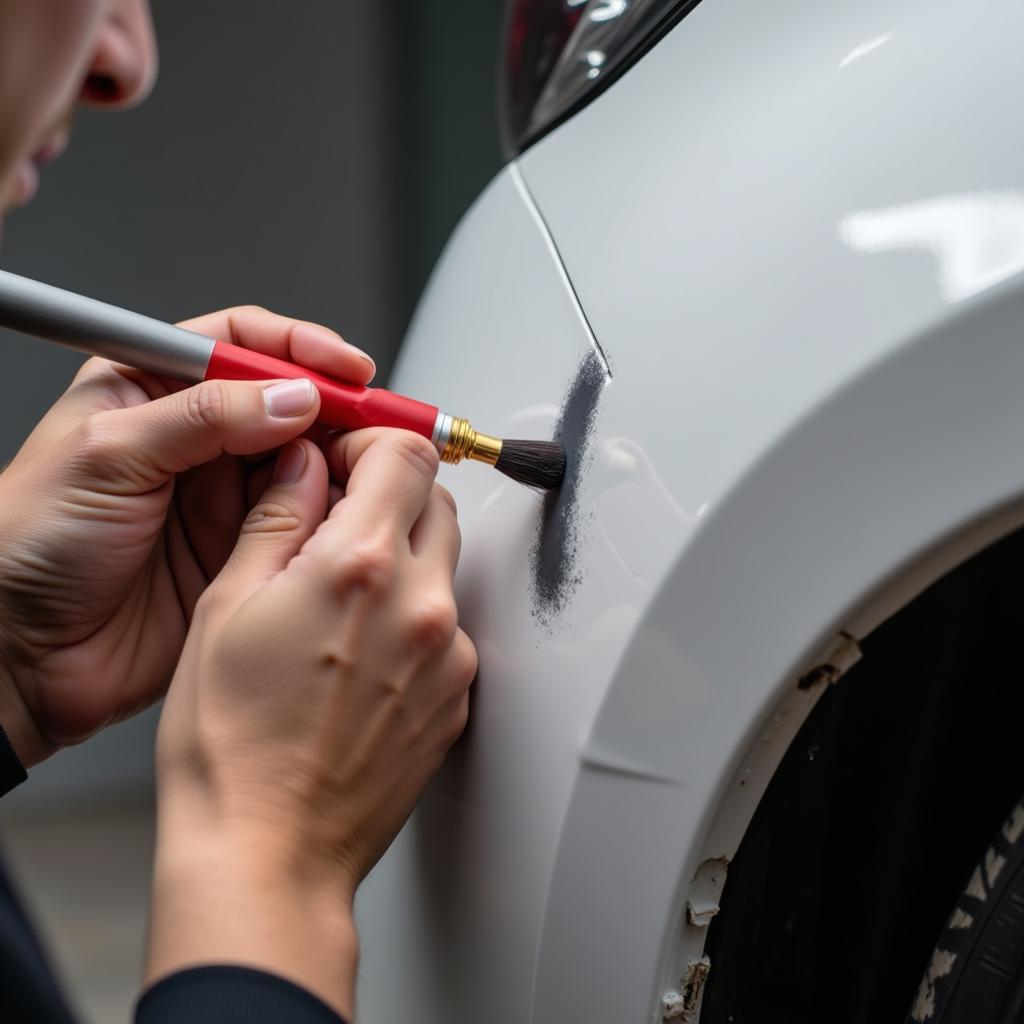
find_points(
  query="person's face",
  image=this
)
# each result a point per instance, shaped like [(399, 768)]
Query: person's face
[(55, 54)]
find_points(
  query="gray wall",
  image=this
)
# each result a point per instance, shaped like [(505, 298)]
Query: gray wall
[(448, 118), (260, 170), (310, 157)]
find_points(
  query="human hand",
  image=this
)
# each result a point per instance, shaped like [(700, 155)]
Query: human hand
[(323, 680), (117, 512)]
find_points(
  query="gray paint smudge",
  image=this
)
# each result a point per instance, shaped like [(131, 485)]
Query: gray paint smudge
[(555, 555)]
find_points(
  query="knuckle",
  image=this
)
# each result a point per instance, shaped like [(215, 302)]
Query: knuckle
[(249, 309), (270, 517), (90, 368), (467, 661), (443, 494), (338, 659), (452, 723), (206, 403), (417, 451), (369, 564), (433, 622), (460, 718), (98, 441)]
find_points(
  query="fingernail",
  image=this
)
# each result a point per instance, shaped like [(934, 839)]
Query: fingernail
[(292, 398), (362, 355), (291, 464)]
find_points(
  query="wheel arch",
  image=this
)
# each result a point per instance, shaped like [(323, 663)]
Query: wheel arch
[(898, 476)]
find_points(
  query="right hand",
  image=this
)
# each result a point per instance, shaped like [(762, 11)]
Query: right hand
[(323, 680)]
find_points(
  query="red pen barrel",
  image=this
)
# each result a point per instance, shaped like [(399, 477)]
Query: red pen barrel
[(346, 406)]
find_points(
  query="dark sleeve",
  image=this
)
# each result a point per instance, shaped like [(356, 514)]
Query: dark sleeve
[(201, 995), (12, 771), (29, 993), (230, 995)]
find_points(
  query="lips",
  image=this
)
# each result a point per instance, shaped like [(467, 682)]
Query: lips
[(27, 183), (28, 170), (50, 151)]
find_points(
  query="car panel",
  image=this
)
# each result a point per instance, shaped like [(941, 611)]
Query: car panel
[(797, 197), (812, 401), (756, 207), (500, 339)]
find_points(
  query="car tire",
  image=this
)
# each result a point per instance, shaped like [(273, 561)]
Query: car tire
[(976, 972)]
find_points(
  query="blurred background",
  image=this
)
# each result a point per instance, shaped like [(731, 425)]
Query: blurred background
[(311, 158)]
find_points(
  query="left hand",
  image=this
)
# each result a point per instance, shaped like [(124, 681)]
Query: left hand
[(117, 512)]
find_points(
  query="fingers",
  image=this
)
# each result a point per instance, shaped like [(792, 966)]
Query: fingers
[(100, 385), (449, 679), (212, 503), (307, 344), (284, 518), (389, 473), (435, 539), (148, 443)]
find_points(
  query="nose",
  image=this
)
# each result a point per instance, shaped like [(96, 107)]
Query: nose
[(124, 64)]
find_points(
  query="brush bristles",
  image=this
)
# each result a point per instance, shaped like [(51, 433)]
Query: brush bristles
[(534, 463)]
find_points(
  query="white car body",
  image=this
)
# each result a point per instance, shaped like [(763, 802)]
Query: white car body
[(792, 233)]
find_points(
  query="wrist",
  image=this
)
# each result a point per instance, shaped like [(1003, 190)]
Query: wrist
[(231, 893)]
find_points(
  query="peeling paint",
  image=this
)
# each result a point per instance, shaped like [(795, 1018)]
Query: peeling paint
[(924, 1005), (672, 1006), (683, 1005), (845, 655), (961, 919), (706, 891), (820, 675)]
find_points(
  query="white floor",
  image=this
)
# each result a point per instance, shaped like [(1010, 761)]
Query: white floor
[(84, 875)]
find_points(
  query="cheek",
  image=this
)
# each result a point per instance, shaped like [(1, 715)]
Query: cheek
[(45, 48)]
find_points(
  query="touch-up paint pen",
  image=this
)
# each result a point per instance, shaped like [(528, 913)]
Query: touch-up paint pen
[(98, 328)]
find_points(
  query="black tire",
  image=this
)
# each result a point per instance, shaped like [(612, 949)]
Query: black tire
[(976, 973)]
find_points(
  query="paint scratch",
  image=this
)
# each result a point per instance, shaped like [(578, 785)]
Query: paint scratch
[(542, 224)]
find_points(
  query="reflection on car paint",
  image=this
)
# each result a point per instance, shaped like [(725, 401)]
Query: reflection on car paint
[(977, 238), (635, 504), (865, 48), (556, 569)]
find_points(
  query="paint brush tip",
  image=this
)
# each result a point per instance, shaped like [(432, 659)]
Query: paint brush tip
[(533, 463)]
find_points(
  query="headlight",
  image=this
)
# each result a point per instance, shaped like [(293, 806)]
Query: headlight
[(560, 53)]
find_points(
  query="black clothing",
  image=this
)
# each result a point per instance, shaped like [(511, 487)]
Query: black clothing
[(28, 990), (29, 993), (12, 771), (230, 995)]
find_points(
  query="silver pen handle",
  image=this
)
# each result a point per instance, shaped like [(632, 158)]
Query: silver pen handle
[(101, 329)]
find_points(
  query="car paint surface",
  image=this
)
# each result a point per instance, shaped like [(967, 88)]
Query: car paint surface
[(795, 231), (503, 338)]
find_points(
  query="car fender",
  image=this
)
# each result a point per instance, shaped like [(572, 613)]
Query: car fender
[(801, 293)]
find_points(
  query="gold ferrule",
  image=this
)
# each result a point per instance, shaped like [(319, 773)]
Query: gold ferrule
[(465, 443)]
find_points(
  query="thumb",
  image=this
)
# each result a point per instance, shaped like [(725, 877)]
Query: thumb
[(284, 518), (169, 435)]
